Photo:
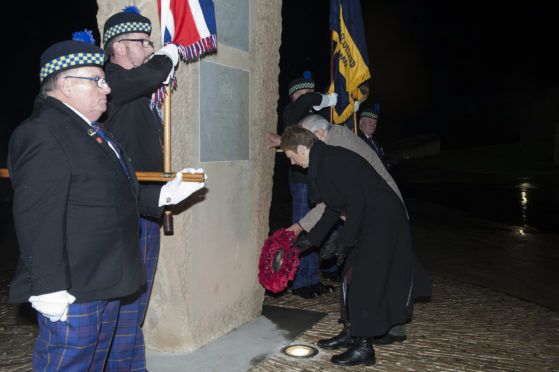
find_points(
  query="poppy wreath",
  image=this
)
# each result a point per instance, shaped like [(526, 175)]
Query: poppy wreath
[(278, 260)]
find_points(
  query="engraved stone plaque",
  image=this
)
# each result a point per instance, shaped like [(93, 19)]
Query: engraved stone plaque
[(224, 113), (232, 19)]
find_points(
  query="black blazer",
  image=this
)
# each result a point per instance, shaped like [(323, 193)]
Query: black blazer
[(295, 112), (378, 149), (76, 213), (129, 116)]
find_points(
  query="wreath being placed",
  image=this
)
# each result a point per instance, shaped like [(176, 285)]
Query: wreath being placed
[(278, 260)]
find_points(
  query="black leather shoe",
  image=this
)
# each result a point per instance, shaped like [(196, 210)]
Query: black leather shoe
[(361, 352), (322, 289), (343, 340), (306, 292), (387, 339)]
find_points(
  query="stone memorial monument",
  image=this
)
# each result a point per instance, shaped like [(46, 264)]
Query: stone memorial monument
[(206, 280)]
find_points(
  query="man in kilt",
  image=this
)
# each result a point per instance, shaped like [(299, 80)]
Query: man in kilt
[(134, 73), (76, 212)]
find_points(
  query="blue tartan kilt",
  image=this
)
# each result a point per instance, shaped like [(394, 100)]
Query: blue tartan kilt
[(307, 272), (128, 348), (79, 344)]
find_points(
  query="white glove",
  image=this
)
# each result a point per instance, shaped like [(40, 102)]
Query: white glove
[(175, 191), (327, 101), (171, 51), (356, 106), (53, 305)]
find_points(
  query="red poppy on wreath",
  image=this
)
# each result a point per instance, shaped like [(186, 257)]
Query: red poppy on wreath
[(278, 260)]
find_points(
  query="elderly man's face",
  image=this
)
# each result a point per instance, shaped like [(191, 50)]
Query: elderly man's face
[(135, 52), (368, 125), (299, 93), (300, 157), (85, 95)]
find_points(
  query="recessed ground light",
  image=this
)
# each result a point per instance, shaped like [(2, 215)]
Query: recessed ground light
[(299, 351)]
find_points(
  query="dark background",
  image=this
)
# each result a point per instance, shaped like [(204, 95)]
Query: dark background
[(473, 73)]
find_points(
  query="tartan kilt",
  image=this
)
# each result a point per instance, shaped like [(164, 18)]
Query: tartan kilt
[(128, 349), (79, 344)]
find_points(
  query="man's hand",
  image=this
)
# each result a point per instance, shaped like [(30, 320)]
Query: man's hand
[(333, 248), (274, 140), (327, 101), (303, 243), (295, 228), (53, 305), (171, 51), (175, 191)]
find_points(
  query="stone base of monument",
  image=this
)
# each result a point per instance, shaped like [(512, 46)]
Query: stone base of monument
[(242, 348)]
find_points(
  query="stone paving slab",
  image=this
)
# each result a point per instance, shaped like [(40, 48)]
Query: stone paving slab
[(17, 332), (463, 328)]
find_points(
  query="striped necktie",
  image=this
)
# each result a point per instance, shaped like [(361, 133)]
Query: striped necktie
[(102, 134)]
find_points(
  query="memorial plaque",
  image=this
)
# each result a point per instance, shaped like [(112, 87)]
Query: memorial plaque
[(224, 113), (232, 18)]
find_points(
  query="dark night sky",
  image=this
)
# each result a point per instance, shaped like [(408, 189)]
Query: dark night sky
[(473, 73)]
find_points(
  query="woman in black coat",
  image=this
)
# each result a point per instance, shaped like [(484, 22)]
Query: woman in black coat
[(383, 274)]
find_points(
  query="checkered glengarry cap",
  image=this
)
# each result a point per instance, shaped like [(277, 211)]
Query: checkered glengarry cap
[(368, 112), (123, 23), (305, 82), (70, 54), (301, 83)]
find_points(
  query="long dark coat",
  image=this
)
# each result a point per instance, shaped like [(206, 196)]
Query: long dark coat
[(76, 214), (386, 276)]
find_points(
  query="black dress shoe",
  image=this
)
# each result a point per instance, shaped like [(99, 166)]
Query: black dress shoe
[(387, 339), (361, 352), (306, 292), (322, 289), (343, 340)]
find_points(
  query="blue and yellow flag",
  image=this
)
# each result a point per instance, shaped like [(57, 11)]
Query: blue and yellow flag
[(351, 60)]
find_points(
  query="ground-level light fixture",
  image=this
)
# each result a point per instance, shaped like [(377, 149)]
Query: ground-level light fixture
[(299, 351)]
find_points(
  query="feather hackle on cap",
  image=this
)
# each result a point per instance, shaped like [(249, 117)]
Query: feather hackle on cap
[(85, 36), (131, 9)]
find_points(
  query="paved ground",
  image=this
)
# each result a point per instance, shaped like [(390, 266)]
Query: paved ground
[(494, 304), (463, 328)]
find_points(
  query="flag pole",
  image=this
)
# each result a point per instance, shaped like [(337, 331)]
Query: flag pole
[(331, 71), (145, 176), (167, 217)]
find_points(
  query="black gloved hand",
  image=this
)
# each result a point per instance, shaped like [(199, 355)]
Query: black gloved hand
[(332, 248), (303, 243)]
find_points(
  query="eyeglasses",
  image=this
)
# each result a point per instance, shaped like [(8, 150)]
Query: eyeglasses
[(101, 82), (145, 42)]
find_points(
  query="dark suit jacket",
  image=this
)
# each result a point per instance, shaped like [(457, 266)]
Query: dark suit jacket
[(378, 149), (129, 116), (295, 112), (76, 213)]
